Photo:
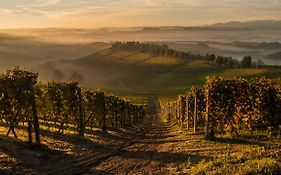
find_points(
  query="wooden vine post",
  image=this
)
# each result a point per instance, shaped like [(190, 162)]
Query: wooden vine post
[(187, 112), (29, 130), (182, 110), (123, 106), (35, 118), (179, 111), (116, 108), (207, 117), (101, 101), (175, 111), (81, 116), (129, 111), (195, 111)]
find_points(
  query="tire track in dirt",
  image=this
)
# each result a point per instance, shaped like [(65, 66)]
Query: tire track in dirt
[(84, 164)]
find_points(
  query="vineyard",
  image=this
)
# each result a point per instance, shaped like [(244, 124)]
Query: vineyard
[(140, 87), (229, 126), (24, 102), (226, 105)]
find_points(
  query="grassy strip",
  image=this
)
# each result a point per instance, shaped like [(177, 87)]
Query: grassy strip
[(228, 165)]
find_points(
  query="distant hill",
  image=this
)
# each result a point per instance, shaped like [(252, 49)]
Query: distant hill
[(11, 59), (274, 56), (253, 31), (260, 24)]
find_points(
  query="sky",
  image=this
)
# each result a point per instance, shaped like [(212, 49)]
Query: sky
[(128, 13)]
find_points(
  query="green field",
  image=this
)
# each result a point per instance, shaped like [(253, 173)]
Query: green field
[(169, 84)]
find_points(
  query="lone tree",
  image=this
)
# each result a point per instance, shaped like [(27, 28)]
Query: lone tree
[(246, 62), (219, 61)]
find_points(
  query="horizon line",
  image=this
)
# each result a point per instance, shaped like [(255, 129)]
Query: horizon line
[(143, 26)]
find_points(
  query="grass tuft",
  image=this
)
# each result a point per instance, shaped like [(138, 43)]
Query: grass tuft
[(226, 165)]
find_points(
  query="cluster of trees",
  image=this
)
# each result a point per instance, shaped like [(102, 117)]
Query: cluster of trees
[(60, 105), (149, 48), (229, 62), (228, 104), (221, 61), (164, 50), (246, 62)]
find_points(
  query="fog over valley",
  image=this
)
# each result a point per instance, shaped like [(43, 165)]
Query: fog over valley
[(47, 50)]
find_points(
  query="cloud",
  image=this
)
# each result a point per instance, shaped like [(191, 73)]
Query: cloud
[(140, 12), (46, 2), (27, 11), (56, 7)]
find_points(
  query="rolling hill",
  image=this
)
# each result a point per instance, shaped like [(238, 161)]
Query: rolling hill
[(12, 59), (256, 24), (133, 73), (124, 69), (274, 56)]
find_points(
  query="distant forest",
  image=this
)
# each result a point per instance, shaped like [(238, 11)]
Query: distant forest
[(165, 51)]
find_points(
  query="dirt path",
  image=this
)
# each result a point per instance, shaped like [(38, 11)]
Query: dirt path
[(143, 157), (149, 155)]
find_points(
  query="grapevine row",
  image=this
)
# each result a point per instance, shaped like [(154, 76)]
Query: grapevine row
[(60, 105), (228, 104)]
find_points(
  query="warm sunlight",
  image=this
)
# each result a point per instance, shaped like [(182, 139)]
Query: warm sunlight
[(140, 87), (126, 13)]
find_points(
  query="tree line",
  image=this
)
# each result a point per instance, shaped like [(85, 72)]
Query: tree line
[(164, 50)]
